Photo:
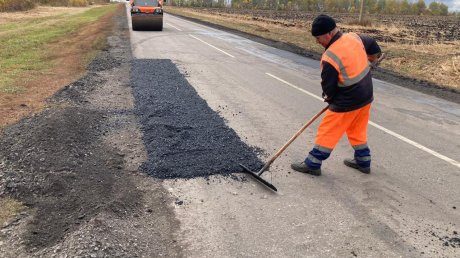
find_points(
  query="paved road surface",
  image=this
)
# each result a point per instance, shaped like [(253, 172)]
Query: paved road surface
[(408, 206)]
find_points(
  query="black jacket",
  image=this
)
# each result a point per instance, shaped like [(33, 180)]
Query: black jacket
[(350, 98)]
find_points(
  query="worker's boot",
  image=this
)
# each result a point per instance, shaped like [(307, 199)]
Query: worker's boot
[(352, 163), (302, 167)]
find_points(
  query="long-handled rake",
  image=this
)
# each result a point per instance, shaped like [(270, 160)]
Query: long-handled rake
[(257, 175)]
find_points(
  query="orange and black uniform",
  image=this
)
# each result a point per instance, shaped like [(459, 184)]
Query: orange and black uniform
[(347, 87)]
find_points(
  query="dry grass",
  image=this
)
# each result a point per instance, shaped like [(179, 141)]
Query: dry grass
[(364, 22), (24, 5), (437, 63), (77, 3), (16, 5), (64, 58), (39, 12), (8, 209)]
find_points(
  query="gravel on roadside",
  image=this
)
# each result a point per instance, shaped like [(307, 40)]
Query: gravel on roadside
[(75, 166)]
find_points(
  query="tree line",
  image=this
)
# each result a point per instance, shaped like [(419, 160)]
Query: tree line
[(401, 7)]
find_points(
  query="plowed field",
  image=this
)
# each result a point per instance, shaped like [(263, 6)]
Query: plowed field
[(387, 28)]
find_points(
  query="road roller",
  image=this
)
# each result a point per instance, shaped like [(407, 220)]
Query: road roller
[(147, 14)]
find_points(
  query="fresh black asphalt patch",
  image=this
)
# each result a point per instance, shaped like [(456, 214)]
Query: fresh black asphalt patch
[(184, 137)]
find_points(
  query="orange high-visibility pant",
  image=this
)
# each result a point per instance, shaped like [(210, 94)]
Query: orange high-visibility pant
[(331, 129), (335, 124)]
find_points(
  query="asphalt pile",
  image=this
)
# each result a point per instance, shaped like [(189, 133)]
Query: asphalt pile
[(183, 136)]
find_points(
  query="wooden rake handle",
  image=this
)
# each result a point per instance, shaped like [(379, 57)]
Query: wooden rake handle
[(262, 170)]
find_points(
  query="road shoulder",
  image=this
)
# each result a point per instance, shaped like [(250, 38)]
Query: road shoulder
[(75, 167)]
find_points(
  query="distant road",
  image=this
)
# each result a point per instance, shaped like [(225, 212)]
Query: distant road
[(408, 206)]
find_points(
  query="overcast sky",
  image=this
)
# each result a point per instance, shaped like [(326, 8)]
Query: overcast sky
[(454, 5)]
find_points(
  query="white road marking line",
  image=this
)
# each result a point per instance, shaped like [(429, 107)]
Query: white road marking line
[(211, 45), (295, 87), (174, 27), (197, 24), (418, 145), (402, 138)]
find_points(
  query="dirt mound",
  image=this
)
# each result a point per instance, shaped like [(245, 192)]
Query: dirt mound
[(58, 165), (105, 62), (77, 90)]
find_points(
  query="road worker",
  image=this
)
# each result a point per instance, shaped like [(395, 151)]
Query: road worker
[(347, 87)]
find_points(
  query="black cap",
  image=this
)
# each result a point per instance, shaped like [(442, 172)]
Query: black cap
[(322, 25)]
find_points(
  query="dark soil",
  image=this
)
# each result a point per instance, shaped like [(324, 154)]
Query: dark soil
[(413, 29), (184, 137)]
